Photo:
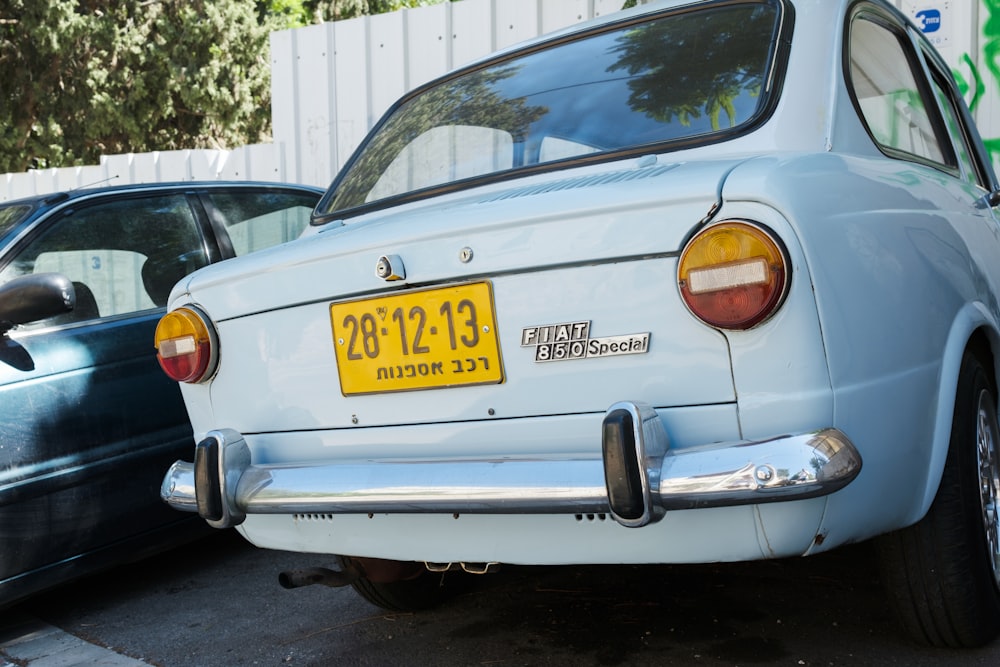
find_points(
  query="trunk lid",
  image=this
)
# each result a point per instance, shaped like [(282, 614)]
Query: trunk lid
[(588, 258)]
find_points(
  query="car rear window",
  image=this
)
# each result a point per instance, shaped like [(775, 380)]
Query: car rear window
[(688, 75)]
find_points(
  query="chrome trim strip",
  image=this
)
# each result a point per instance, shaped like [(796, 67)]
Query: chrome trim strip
[(475, 487), (787, 467)]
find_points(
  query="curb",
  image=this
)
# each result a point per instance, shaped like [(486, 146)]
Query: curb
[(28, 642)]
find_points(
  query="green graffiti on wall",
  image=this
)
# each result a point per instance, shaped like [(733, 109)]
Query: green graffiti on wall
[(991, 52)]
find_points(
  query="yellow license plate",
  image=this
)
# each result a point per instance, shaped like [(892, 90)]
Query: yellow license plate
[(425, 339)]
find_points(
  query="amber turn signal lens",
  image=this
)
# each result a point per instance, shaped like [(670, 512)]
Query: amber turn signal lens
[(185, 345), (733, 275)]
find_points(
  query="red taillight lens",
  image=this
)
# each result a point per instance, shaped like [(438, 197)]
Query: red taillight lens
[(185, 345), (733, 275)]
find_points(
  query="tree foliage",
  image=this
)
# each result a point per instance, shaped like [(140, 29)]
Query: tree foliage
[(334, 10), (85, 78)]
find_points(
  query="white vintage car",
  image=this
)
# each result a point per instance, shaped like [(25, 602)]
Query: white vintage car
[(698, 281)]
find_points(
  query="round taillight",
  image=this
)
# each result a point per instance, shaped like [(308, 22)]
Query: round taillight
[(733, 275), (186, 345)]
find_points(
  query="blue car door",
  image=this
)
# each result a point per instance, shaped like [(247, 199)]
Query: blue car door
[(88, 422)]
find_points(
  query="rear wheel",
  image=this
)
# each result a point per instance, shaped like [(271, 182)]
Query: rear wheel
[(397, 585), (943, 573)]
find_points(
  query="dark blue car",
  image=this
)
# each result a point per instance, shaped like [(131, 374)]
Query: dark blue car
[(88, 421)]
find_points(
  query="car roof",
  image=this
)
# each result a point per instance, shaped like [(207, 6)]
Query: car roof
[(60, 196), (41, 205)]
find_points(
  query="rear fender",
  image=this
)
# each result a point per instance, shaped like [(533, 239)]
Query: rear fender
[(971, 318)]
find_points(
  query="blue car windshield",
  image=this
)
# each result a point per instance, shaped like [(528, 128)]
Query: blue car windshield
[(665, 80), (12, 214)]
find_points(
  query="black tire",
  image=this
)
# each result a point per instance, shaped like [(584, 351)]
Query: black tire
[(943, 573), (423, 590)]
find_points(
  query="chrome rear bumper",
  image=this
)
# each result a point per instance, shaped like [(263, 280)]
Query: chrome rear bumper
[(636, 480)]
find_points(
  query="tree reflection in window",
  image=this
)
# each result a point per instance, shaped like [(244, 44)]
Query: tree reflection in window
[(468, 101), (700, 63)]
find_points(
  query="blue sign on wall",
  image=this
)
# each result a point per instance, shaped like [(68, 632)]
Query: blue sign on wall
[(929, 20)]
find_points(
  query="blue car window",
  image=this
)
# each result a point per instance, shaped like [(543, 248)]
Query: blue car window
[(260, 220), (957, 134), (894, 106), (123, 256)]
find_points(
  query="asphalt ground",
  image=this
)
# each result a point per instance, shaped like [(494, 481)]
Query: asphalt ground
[(217, 603)]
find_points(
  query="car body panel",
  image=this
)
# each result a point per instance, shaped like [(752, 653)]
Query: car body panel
[(872, 245)]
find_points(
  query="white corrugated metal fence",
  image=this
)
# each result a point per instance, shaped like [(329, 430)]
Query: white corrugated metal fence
[(331, 82)]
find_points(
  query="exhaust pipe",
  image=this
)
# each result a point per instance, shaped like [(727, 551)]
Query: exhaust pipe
[(469, 568)]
